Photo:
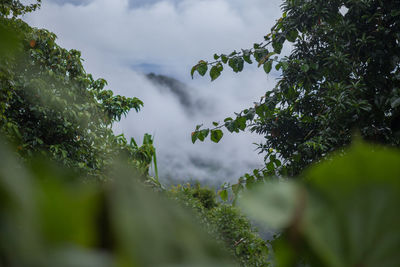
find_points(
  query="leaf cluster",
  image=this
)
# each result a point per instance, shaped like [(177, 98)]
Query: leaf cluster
[(225, 223), (50, 105), (341, 75)]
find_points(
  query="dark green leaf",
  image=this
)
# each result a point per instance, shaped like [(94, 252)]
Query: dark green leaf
[(202, 68), (268, 66), (216, 135), (214, 73)]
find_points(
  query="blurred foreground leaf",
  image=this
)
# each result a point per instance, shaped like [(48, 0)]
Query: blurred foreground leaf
[(345, 212), (50, 218)]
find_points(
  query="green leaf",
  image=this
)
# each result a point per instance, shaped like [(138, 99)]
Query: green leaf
[(268, 66), (224, 58), (216, 135), (205, 133), (241, 121), (216, 57), (202, 68), (193, 70), (305, 67), (215, 73), (195, 136), (236, 63), (247, 56), (215, 123), (292, 35), (277, 45), (223, 194), (272, 204), (200, 136)]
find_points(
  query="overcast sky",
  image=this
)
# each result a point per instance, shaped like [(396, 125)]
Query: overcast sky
[(121, 40)]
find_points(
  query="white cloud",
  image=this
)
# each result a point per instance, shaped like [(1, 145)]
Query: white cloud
[(173, 35)]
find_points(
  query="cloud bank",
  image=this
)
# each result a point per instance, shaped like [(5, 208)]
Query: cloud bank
[(122, 40)]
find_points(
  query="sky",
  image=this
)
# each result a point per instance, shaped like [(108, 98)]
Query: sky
[(122, 40)]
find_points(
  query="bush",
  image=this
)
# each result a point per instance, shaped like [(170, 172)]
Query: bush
[(225, 223)]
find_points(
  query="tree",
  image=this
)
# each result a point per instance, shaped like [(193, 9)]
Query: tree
[(51, 106), (342, 75)]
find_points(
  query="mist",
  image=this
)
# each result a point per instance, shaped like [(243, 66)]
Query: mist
[(122, 41)]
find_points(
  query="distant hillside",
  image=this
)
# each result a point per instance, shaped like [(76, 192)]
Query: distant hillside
[(178, 89)]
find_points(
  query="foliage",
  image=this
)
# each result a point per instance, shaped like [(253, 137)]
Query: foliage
[(344, 212), (49, 104), (50, 217), (225, 223), (16, 8), (341, 74)]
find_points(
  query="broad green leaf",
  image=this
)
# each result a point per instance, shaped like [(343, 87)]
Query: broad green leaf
[(277, 46), (268, 66), (224, 58), (202, 68), (214, 73), (291, 36), (216, 135), (272, 204), (195, 136), (241, 121), (223, 194), (247, 56)]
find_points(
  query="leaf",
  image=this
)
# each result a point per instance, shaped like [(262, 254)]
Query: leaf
[(223, 194), (200, 136), (194, 136), (305, 67), (272, 204), (277, 45), (292, 35), (246, 56), (202, 68), (268, 66), (395, 103), (193, 70), (224, 58), (205, 133), (216, 135), (236, 63), (241, 121), (214, 73)]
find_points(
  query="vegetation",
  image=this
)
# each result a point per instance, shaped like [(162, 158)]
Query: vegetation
[(341, 75), (52, 106), (225, 223), (48, 217), (55, 126), (342, 212)]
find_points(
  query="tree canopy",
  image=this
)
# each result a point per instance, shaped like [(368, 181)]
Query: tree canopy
[(51, 106), (342, 75)]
